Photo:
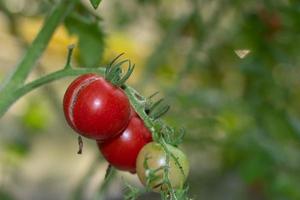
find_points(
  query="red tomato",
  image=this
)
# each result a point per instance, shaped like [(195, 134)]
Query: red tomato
[(133, 113), (95, 108), (122, 151)]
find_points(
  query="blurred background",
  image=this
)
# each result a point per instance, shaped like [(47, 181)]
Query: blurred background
[(228, 68)]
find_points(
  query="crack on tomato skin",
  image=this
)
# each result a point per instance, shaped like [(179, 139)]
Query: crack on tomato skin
[(75, 94)]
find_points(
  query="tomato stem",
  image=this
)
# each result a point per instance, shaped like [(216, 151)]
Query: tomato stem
[(22, 70), (16, 79), (69, 56), (139, 107)]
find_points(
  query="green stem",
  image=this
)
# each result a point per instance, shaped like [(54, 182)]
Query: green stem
[(40, 43), (55, 76), (10, 88), (8, 99), (105, 185), (139, 107)]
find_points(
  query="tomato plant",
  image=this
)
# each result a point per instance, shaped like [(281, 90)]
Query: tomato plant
[(122, 151), (153, 161), (104, 108), (95, 108)]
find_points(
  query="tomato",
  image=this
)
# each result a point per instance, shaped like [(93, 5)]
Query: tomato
[(95, 108), (133, 113), (121, 151), (155, 157)]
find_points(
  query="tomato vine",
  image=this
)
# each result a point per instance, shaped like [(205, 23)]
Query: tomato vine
[(149, 111)]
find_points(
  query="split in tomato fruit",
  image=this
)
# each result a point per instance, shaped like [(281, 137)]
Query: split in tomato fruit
[(153, 158), (95, 108), (122, 151)]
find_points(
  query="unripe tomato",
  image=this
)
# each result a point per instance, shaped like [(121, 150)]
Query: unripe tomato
[(122, 151), (155, 157), (95, 108)]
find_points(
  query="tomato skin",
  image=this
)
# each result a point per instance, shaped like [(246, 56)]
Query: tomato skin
[(133, 113), (122, 151), (95, 108), (156, 158)]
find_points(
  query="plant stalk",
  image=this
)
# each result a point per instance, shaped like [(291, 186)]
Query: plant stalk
[(8, 99), (22, 70)]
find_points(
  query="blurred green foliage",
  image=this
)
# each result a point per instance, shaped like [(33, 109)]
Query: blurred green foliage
[(35, 118), (91, 39), (5, 196), (241, 114)]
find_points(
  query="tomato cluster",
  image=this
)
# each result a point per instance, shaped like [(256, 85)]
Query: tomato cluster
[(97, 109)]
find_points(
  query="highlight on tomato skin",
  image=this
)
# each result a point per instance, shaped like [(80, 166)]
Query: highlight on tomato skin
[(95, 108), (155, 157), (121, 152)]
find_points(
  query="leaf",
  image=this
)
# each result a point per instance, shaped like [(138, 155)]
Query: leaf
[(95, 3), (91, 39), (159, 111)]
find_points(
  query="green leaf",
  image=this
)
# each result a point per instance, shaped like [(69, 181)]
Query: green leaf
[(95, 3), (91, 39)]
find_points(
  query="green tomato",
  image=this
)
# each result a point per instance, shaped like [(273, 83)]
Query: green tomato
[(152, 160)]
